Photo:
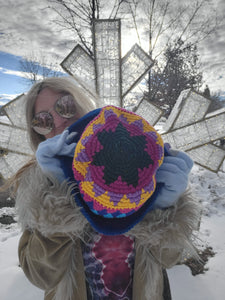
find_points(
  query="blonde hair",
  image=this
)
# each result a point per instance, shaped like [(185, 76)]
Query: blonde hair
[(62, 85)]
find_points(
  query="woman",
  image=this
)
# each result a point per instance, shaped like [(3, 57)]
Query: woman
[(60, 250)]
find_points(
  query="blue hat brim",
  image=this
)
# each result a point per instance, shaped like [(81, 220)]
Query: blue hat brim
[(115, 226)]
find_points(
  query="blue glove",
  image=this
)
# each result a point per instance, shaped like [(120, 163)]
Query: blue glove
[(48, 153), (172, 176)]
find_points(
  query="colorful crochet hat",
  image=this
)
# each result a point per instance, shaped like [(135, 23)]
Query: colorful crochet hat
[(115, 162)]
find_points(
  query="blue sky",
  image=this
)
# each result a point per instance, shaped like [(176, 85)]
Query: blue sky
[(11, 82), (12, 79)]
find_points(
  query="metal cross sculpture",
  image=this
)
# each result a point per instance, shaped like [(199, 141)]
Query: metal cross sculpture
[(107, 74), (191, 129), (14, 147), (113, 78)]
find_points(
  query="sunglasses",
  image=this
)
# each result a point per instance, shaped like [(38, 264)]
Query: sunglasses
[(43, 122)]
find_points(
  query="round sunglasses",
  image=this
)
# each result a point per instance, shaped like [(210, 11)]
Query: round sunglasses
[(43, 122)]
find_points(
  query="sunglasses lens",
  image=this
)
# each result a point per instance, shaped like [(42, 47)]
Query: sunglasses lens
[(65, 107), (43, 123)]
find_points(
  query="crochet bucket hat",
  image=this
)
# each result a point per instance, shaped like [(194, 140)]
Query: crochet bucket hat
[(115, 161), (114, 164)]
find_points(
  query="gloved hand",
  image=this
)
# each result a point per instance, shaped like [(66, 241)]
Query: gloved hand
[(48, 151), (172, 176)]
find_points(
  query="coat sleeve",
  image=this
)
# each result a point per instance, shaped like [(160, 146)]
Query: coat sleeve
[(166, 256), (49, 248), (44, 260), (175, 229)]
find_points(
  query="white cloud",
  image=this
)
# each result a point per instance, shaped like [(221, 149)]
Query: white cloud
[(26, 26), (5, 98), (13, 72)]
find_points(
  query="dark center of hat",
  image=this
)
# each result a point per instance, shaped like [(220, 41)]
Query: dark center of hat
[(122, 155)]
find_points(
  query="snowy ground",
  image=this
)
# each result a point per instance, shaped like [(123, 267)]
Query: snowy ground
[(210, 189)]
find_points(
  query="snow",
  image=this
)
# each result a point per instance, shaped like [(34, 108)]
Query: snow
[(207, 186), (208, 286), (14, 284)]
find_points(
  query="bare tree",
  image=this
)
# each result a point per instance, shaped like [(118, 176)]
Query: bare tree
[(36, 66), (133, 11), (160, 22), (165, 22), (77, 16)]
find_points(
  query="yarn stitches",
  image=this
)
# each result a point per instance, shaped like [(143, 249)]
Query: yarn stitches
[(115, 162)]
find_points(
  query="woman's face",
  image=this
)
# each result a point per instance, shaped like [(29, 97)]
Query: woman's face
[(45, 102)]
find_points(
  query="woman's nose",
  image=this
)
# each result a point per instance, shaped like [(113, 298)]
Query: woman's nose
[(58, 120)]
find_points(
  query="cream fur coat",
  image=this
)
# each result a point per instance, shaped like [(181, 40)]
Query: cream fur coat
[(46, 208)]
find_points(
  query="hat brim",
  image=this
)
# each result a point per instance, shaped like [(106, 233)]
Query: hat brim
[(114, 226)]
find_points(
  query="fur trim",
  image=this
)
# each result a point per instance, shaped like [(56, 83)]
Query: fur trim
[(44, 204), (181, 219)]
